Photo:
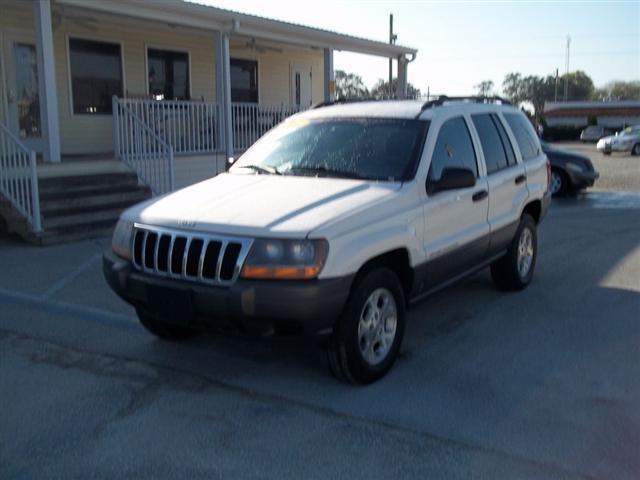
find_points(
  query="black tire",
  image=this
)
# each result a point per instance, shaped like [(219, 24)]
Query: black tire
[(604, 152), (164, 330), (505, 272), (636, 149), (346, 360), (564, 182)]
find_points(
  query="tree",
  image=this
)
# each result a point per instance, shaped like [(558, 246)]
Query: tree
[(381, 90), (538, 90), (349, 86), (580, 86), (619, 90), (484, 88), (512, 88)]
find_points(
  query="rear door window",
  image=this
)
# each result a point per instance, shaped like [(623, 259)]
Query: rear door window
[(454, 149), (495, 155), (506, 143), (525, 135)]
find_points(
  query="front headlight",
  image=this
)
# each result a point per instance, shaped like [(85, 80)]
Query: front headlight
[(121, 241), (574, 167), (285, 259)]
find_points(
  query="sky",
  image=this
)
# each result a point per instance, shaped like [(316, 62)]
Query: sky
[(461, 44)]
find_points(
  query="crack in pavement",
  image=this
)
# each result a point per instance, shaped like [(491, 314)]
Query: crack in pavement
[(154, 378)]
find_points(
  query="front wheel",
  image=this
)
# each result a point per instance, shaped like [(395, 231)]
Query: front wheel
[(367, 337), (559, 183), (514, 271), (636, 149)]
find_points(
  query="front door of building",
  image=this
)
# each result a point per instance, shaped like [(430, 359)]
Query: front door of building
[(301, 85), (22, 90)]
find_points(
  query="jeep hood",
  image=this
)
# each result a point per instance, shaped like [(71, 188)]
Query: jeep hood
[(261, 205)]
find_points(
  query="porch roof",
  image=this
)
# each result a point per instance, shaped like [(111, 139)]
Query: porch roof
[(189, 14)]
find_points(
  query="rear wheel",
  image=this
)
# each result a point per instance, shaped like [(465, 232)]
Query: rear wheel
[(164, 330), (514, 271), (636, 149), (559, 183), (368, 334)]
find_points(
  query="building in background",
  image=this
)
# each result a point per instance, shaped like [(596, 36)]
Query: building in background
[(576, 115)]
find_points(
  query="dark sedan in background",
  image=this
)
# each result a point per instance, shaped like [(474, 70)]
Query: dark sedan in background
[(570, 171)]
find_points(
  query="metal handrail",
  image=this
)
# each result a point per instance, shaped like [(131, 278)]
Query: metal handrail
[(138, 146), (19, 177)]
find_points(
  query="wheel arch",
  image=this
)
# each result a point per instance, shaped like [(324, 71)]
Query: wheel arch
[(533, 208), (396, 260)]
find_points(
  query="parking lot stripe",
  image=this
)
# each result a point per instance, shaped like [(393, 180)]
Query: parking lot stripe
[(60, 284), (64, 308)]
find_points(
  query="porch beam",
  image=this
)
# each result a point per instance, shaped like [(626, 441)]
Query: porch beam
[(223, 92), (329, 78), (47, 84), (401, 85)]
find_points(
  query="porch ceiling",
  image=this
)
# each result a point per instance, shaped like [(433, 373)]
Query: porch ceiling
[(184, 13)]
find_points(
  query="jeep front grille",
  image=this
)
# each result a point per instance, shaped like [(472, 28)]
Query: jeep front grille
[(197, 257)]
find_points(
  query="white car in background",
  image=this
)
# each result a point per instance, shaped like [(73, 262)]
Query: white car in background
[(626, 141)]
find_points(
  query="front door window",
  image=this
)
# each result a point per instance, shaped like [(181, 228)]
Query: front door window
[(26, 90)]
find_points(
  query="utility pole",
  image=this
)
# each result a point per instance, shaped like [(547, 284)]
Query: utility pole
[(392, 40), (555, 95), (566, 76)]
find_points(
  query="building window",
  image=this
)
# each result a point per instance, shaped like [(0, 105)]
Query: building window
[(244, 80), (96, 75), (168, 74)]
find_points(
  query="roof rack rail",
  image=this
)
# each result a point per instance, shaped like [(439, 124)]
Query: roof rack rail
[(341, 101), (475, 99)]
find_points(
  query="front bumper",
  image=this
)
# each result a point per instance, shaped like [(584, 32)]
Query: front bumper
[(582, 179), (614, 147), (304, 306)]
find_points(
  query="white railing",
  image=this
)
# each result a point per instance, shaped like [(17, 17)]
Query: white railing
[(137, 145), (252, 120), (19, 177), (192, 127), (189, 127)]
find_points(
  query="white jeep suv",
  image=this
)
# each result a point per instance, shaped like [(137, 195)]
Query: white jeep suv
[(336, 221)]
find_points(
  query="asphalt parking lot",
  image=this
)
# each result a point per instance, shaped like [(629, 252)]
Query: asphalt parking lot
[(543, 383)]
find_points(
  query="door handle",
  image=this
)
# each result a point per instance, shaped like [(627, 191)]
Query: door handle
[(520, 179), (481, 195)]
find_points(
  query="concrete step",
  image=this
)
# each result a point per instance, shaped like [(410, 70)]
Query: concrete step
[(90, 200), (84, 183), (109, 213), (88, 191), (74, 233)]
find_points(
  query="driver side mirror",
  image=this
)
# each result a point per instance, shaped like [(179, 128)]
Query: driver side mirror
[(451, 179)]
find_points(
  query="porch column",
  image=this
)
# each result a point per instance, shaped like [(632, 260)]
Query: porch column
[(329, 78), (47, 84), (223, 92), (401, 87)]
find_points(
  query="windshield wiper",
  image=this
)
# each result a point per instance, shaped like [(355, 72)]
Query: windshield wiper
[(262, 169), (329, 172)]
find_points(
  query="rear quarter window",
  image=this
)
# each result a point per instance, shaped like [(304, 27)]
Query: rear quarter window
[(525, 136)]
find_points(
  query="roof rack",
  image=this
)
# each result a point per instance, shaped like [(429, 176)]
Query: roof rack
[(340, 101), (474, 99)]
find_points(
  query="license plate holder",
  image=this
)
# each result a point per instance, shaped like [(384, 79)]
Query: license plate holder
[(171, 304)]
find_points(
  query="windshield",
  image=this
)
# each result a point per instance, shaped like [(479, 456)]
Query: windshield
[(630, 131), (359, 148)]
